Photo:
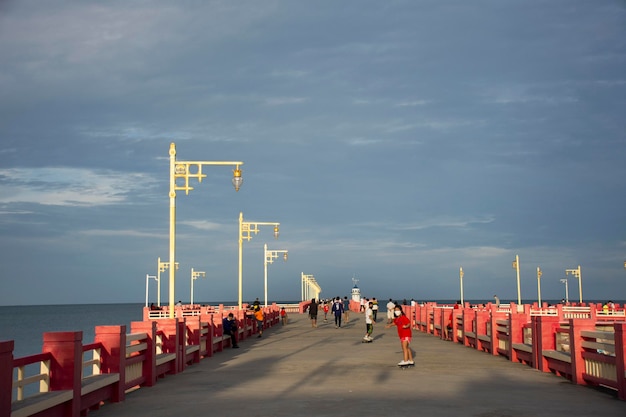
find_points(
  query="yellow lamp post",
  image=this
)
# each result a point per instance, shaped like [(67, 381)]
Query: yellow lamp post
[(161, 267), (187, 170), (270, 255), (245, 230), (577, 273), (519, 290), (461, 279), (539, 273), (194, 276)]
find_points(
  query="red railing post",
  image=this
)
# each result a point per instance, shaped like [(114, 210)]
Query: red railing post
[(620, 358), (67, 365), (149, 364), (6, 377), (576, 326), (113, 340), (516, 331), (468, 322), (544, 338)]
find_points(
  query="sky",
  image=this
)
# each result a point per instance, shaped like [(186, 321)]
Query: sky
[(394, 141)]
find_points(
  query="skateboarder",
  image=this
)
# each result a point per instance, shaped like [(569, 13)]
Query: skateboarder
[(402, 322), (369, 323)]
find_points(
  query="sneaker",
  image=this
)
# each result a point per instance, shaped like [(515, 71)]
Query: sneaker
[(402, 363), (410, 363), (235, 347)]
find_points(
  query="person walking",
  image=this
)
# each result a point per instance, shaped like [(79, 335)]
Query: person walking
[(346, 309), (283, 316), (338, 311), (313, 312), (260, 318), (369, 323), (326, 309), (375, 308), (390, 306), (402, 322)]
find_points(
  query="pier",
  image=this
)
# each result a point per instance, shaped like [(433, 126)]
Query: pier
[(300, 370)]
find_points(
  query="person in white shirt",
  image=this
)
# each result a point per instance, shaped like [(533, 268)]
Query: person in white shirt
[(390, 307), (369, 323)]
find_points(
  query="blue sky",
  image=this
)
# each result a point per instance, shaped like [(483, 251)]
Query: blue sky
[(394, 141)]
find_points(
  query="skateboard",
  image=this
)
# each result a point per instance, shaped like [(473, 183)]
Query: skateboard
[(410, 365)]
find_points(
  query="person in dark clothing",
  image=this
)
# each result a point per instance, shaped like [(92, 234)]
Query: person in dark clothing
[(229, 325), (338, 310), (313, 312)]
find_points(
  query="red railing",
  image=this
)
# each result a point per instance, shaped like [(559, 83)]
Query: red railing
[(70, 378), (586, 344)]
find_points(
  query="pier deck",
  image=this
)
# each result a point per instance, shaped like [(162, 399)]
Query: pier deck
[(300, 371)]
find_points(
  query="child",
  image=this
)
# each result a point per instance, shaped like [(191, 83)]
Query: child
[(369, 323), (283, 315), (402, 322), (325, 312)]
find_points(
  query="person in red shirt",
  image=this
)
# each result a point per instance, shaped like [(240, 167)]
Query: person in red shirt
[(403, 323)]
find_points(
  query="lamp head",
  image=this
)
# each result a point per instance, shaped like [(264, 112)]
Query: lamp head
[(237, 180), (276, 232), (285, 256)]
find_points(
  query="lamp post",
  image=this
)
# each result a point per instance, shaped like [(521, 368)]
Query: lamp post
[(161, 267), (194, 276), (245, 230), (461, 279), (519, 291), (269, 259), (564, 281), (310, 286), (576, 272), (182, 169), (147, 279), (539, 286)]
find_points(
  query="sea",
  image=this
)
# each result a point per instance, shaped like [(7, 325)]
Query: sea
[(25, 325)]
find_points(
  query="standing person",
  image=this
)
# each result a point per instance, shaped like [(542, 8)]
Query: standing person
[(259, 317), (229, 326), (346, 308), (313, 312), (283, 316), (390, 306), (375, 308), (338, 310), (402, 322), (495, 297), (362, 306), (369, 323), (325, 311)]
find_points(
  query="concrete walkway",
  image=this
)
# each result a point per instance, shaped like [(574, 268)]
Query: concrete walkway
[(300, 371)]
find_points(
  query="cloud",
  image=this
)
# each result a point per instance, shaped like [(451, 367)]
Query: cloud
[(69, 186)]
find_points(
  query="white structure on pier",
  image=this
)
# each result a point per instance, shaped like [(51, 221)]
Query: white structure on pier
[(356, 292)]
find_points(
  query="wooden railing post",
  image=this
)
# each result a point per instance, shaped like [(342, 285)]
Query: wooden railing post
[(67, 365), (6, 377), (113, 339)]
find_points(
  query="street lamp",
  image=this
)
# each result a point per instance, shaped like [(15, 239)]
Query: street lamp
[(269, 259), (147, 279), (182, 169), (245, 230), (461, 279), (161, 267), (539, 273), (194, 276), (576, 272), (519, 291), (310, 286), (564, 281)]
